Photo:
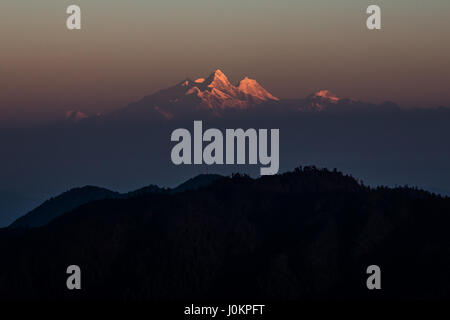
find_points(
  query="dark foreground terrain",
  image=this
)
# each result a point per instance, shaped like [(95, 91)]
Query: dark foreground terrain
[(308, 234)]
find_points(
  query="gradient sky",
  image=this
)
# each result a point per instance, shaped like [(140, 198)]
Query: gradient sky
[(128, 49)]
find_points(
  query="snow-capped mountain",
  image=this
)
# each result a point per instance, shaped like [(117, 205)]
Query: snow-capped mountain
[(325, 95), (74, 116), (320, 100), (215, 93)]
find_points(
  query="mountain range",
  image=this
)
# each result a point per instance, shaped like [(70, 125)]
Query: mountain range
[(215, 95)]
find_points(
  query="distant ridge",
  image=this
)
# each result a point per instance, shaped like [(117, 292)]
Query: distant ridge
[(70, 200), (197, 182), (65, 202)]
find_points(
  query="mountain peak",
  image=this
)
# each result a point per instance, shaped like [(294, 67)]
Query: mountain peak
[(218, 80), (320, 100), (252, 88), (219, 74), (326, 95)]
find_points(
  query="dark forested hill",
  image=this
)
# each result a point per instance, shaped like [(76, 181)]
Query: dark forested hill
[(307, 234), (76, 197), (65, 202)]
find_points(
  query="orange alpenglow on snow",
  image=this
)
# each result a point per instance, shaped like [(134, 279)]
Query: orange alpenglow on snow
[(216, 92), (326, 95), (253, 88)]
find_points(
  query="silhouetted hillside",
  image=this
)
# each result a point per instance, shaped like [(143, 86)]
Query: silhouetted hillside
[(65, 202), (76, 197), (143, 191), (307, 234), (202, 180)]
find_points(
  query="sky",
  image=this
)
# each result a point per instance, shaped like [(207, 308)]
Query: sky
[(129, 49)]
